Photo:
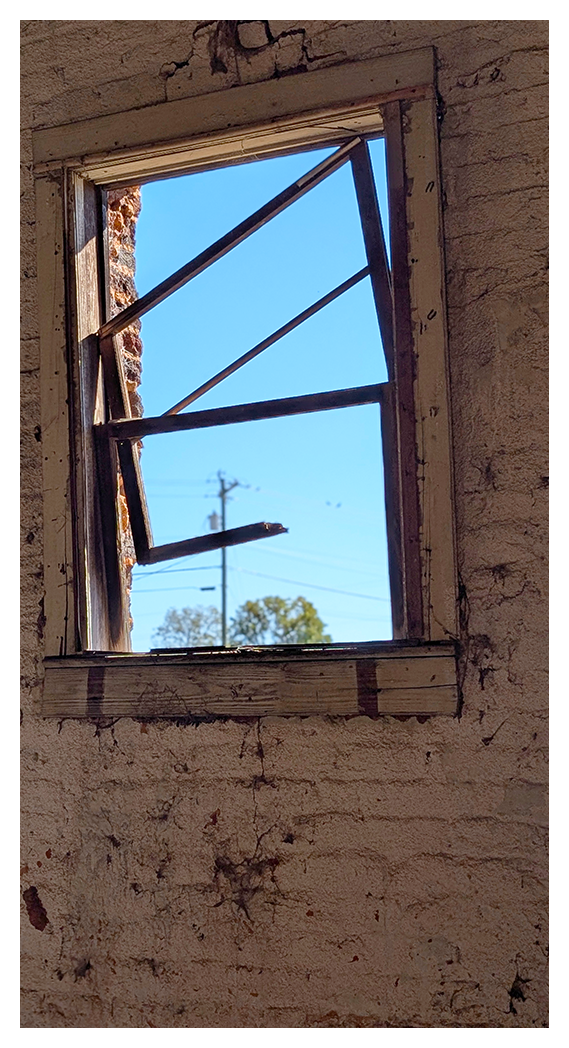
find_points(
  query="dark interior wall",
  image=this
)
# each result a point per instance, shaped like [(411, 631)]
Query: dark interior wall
[(318, 872)]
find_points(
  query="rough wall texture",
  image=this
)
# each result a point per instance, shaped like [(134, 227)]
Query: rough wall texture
[(122, 211), (313, 872)]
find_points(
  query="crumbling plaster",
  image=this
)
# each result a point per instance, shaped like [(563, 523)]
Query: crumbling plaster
[(318, 872)]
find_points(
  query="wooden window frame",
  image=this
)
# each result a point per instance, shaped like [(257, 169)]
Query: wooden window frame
[(88, 669), (116, 439)]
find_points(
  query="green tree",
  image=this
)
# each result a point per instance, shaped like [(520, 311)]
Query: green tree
[(197, 627), (271, 620), (274, 620)]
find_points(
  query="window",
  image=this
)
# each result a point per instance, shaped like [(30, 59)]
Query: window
[(274, 273), (88, 668), (318, 473)]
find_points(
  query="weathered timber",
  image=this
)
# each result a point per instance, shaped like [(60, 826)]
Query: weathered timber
[(158, 138), (115, 622), (374, 241), (100, 592), (60, 631), (116, 392), (361, 650), (115, 382), (135, 495), (407, 464), (235, 236), (134, 429), (205, 543), (156, 686), (269, 341), (391, 485), (432, 417)]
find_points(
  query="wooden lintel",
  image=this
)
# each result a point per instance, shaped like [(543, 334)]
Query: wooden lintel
[(407, 74), (234, 685)]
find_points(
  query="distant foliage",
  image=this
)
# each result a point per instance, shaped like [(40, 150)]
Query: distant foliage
[(189, 628), (274, 620), (271, 620)]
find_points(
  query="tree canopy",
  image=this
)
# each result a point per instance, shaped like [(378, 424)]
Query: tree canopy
[(274, 620), (270, 620), (197, 627)]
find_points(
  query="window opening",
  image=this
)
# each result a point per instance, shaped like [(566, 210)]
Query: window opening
[(90, 669), (312, 411)]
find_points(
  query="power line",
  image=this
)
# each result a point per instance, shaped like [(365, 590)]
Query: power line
[(315, 559), (312, 585), (275, 578), (296, 554), (175, 589), (172, 571)]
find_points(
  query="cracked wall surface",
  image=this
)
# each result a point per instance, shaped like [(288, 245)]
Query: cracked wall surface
[(318, 872)]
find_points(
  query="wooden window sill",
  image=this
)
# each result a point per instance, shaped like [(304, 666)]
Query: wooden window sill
[(388, 678)]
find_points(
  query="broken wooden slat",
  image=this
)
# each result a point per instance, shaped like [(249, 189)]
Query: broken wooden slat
[(115, 383), (156, 686), (205, 543), (270, 341), (374, 241), (135, 495), (236, 236), (134, 429)]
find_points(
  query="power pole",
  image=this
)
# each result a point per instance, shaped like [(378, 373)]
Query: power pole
[(217, 523), (224, 490)]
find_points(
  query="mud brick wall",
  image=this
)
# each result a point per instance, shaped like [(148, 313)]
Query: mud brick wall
[(317, 872), (122, 210)]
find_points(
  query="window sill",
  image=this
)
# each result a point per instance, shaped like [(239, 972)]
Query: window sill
[(376, 679)]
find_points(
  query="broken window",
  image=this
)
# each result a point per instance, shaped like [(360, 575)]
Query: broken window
[(370, 268), (91, 431)]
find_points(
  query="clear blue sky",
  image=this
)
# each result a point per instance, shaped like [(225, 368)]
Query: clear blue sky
[(320, 475)]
